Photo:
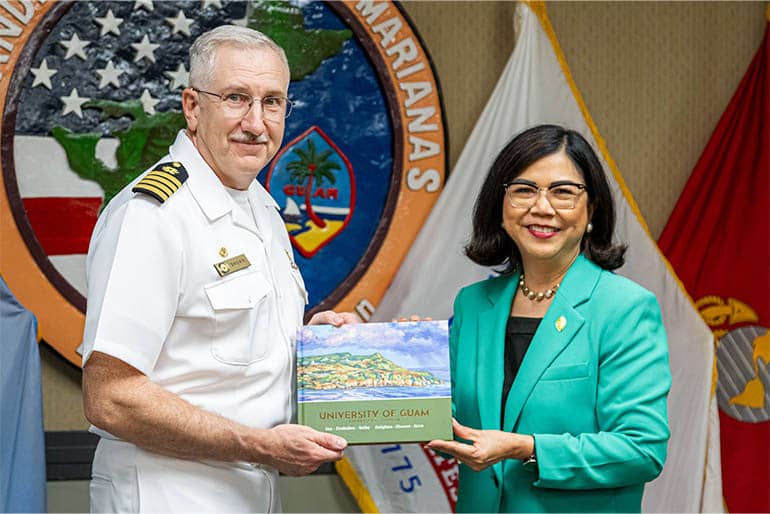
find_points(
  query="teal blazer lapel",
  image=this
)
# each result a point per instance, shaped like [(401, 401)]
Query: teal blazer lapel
[(491, 353), (491, 350), (557, 329)]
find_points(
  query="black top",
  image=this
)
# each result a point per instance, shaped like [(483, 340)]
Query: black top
[(518, 334)]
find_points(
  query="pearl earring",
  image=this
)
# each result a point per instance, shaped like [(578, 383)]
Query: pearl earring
[(589, 228)]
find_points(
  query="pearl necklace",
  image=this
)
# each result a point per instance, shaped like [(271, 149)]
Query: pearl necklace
[(536, 296)]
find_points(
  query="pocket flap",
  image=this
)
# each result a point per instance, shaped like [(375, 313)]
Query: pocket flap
[(570, 371), (239, 292)]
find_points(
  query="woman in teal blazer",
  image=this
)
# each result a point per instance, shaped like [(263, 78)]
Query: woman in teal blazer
[(559, 367)]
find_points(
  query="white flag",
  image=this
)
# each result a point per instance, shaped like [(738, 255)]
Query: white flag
[(535, 88)]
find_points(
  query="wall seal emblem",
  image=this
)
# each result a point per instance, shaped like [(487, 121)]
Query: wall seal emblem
[(90, 97)]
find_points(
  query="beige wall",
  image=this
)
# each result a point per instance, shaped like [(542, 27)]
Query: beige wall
[(655, 76), (62, 406)]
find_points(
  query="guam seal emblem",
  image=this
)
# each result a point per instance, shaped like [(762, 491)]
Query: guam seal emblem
[(314, 214), (90, 93)]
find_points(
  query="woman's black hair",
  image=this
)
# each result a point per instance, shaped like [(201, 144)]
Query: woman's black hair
[(492, 246)]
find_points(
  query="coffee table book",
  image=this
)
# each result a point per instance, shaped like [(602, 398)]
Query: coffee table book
[(375, 383)]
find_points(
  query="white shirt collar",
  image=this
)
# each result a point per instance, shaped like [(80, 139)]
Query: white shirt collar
[(204, 184)]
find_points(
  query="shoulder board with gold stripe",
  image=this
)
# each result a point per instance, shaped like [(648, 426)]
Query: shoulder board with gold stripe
[(163, 181)]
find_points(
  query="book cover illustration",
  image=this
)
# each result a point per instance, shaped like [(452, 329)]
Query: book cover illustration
[(376, 382)]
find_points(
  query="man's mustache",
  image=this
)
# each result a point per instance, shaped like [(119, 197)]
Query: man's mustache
[(248, 137)]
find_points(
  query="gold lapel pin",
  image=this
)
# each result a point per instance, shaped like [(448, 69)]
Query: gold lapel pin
[(561, 323), (223, 252)]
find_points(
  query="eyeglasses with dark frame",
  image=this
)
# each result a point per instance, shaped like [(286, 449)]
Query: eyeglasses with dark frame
[(562, 194), (237, 105)]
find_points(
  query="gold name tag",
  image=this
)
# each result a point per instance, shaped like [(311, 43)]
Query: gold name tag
[(232, 265)]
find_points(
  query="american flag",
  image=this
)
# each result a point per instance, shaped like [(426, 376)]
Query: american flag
[(116, 51)]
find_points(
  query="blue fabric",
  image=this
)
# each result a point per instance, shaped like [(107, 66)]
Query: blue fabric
[(22, 441)]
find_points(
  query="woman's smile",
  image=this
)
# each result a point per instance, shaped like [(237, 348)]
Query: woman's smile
[(542, 231)]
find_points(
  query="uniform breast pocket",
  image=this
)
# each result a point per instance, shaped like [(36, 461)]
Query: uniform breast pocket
[(242, 313)]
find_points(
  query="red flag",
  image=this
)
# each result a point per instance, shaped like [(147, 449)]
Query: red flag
[(718, 241)]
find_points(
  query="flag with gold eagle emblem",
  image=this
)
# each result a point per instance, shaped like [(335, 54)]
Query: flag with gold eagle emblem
[(717, 239)]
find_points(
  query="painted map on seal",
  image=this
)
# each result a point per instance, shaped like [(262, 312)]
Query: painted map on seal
[(91, 98)]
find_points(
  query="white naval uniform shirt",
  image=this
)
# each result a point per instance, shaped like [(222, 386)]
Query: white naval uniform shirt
[(224, 344)]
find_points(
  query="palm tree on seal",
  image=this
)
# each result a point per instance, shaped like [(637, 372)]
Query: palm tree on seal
[(312, 166)]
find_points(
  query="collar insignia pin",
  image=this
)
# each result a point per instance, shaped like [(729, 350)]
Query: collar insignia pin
[(561, 323), (223, 252)]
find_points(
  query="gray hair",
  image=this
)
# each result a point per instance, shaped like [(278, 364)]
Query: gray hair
[(203, 50)]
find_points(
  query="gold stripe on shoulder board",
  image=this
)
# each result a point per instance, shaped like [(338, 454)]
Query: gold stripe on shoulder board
[(151, 180), (164, 178), (163, 181)]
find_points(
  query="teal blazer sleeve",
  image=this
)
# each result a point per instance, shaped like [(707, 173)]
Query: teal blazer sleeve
[(591, 389)]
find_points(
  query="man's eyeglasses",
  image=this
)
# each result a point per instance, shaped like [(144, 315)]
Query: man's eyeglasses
[(563, 194), (236, 105)]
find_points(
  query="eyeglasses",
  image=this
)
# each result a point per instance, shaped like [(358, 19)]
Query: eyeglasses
[(237, 105), (562, 194)]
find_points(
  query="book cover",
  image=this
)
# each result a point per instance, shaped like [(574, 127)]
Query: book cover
[(376, 383)]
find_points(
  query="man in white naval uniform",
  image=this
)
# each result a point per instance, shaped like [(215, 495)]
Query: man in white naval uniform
[(193, 302)]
